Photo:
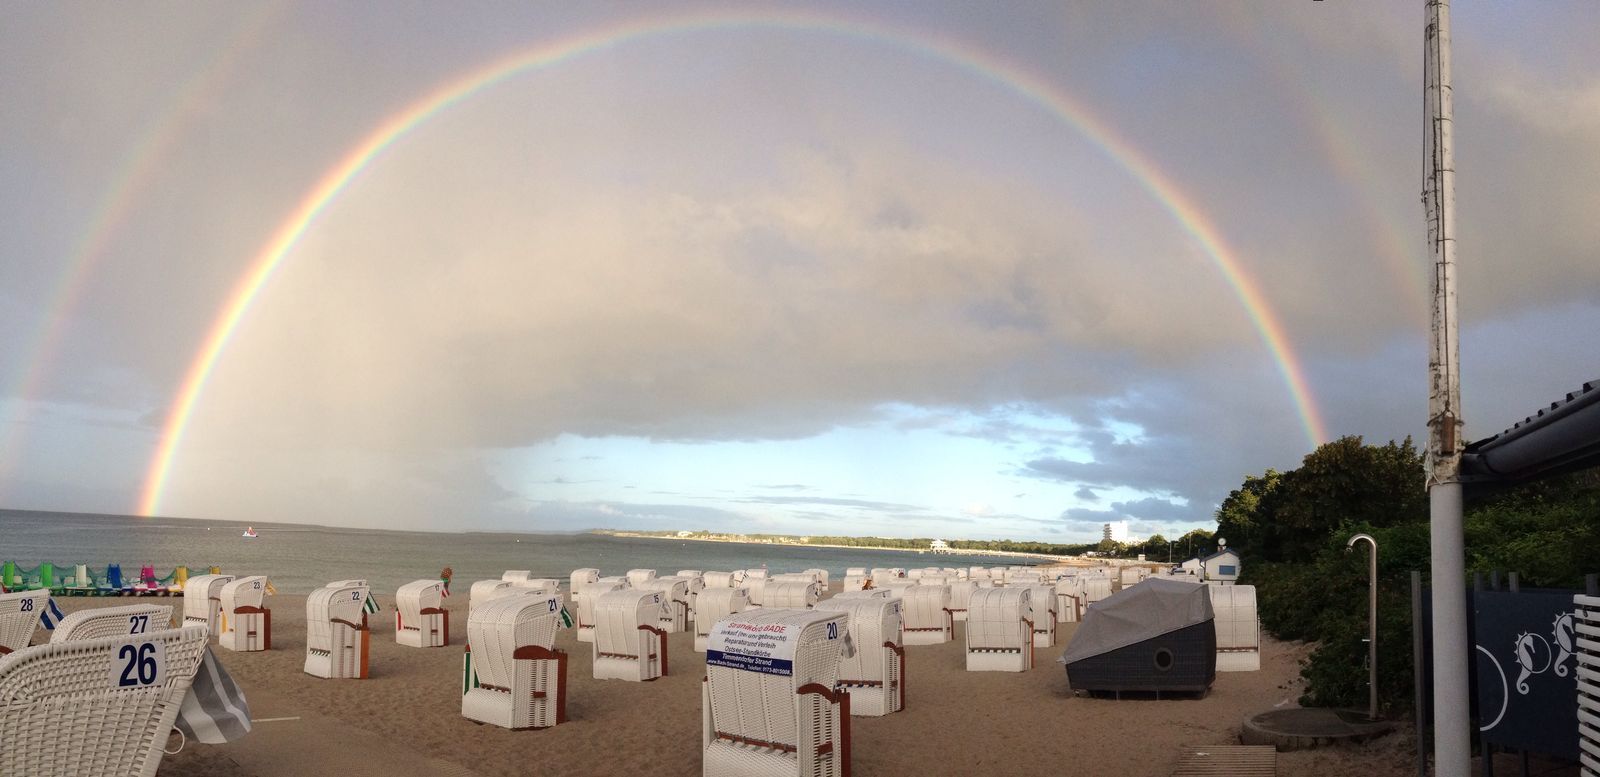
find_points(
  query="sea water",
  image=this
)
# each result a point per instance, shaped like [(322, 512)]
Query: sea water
[(299, 558)]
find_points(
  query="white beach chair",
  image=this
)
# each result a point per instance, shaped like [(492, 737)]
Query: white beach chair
[(246, 622), (19, 616), (895, 583), (1130, 576), (999, 634), (856, 579), (718, 579), (697, 583), (95, 707), (484, 590), (337, 637), (100, 622), (629, 643), (716, 604), (792, 577), (870, 593), (927, 616), (821, 575), (1042, 602), (420, 619), (1095, 588), (800, 594), (1069, 600), (591, 592), (620, 580), (521, 679), (882, 575), (875, 676), (773, 710), (580, 578), (202, 602), (1238, 627), (637, 576), (675, 592), (915, 574), (960, 595)]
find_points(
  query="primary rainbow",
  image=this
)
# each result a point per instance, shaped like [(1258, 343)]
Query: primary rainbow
[(1033, 88)]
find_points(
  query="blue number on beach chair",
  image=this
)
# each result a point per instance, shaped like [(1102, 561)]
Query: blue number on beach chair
[(141, 667)]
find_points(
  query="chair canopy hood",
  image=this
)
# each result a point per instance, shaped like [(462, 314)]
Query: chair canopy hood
[(1137, 613)]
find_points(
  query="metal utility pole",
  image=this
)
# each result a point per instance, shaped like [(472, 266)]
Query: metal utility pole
[(1452, 746), (1372, 622)]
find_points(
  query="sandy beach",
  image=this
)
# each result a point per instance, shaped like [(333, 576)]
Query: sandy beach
[(406, 718)]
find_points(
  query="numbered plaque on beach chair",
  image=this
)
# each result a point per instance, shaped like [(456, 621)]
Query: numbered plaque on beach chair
[(202, 602), (19, 616), (675, 593), (928, 620), (95, 707), (999, 631), (629, 643), (246, 621), (768, 702), (590, 594), (520, 678), (420, 619), (716, 604), (337, 637), (1042, 602), (132, 619), (802, 593), (875, 676)]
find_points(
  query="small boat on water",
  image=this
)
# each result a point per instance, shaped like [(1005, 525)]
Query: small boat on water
[(249, 532)]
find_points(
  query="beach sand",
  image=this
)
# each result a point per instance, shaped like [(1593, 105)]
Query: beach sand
[(406, 719)]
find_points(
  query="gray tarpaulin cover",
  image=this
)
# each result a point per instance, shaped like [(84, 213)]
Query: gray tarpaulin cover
[(1149, 609)]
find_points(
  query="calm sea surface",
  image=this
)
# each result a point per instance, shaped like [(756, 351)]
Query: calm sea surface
[(301, 558)]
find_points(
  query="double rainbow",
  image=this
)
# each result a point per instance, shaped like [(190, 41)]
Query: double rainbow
[(988, 66)]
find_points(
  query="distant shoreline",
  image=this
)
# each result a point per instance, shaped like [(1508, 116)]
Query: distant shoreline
[(1069, 560)]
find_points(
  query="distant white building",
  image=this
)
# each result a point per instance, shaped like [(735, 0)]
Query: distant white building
[(939, 546), (1222, 566), (1116, 531)]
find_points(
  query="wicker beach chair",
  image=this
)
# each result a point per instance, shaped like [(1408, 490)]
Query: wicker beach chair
[(697, 583), (999, 634), (768, 701), (1042, 602), (483, 590), (202, 602), (591, 593), (98, 707), (927, 616), (1069, 599), (580, 578), (856, 579), (675, 594), (128, 620), (718, 579), (629, 643), (1095, 588), (1238, 627), (337, 637), (960, 596), (637, 576), (521, 677), (19, 616), (821, 575), (801, 594), (869, 593), (716, 604), (875, 676), (246, 621), (420, 619)]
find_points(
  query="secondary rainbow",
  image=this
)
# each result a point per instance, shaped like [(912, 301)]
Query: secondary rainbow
[(1033, 88)]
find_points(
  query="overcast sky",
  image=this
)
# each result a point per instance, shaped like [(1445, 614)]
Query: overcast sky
[(822, 268)]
